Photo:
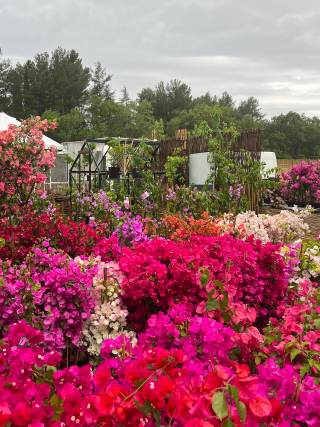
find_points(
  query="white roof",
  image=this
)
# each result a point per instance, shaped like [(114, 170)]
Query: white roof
[(6, 120)]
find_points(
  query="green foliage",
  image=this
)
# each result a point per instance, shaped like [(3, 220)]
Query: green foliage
[(159, 128), (292, 135), (172, 166)]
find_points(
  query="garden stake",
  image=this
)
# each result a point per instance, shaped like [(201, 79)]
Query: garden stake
[(67, 353), (123, 346), (301, 250), (298, 388)]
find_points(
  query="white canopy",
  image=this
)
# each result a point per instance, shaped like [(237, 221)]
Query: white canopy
[(6, 120)]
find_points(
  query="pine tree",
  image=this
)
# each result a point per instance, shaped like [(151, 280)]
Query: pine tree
[(101, 86), (125, 99), (5, 67)]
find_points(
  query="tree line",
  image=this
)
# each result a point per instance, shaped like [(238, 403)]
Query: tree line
[(81, 98)]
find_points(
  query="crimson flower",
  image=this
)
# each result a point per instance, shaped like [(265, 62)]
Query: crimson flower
[(102, 376), (5, 414)]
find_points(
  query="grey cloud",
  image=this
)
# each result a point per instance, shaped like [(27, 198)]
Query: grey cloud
[(250, 47)]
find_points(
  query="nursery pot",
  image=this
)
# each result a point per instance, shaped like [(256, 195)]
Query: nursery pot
[(290, 204), (114, 172), (267, 201), (136, 174)]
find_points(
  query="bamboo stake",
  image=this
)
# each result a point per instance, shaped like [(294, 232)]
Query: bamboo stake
[(124, 346), (162, 196), (298, 388)]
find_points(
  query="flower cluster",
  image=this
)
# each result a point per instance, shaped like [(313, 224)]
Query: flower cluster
[(108, 319), (23, 161), (284, 226), (160, 272), (72, 238), (54, 295), (301, 184), (129, 229)]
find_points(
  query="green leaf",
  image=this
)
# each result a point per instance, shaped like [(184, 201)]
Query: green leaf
[(54, 400), (294, 353), (242, 411), (204, 279), (228, 423), (223, 305), (212, 304), (218, 283), (219, 405), (257, 360), (49, 375), (138, 383), (289, 344), (51, 368), (156, 416), (233, 390), (317, 323), (150, 367), (55, 417), (59, 410), (226, 316), (304, 369), (145, 408)]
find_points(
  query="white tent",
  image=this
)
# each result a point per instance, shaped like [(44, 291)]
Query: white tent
[(6, 120)]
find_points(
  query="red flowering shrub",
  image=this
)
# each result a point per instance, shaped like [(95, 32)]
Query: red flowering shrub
[(108, 249), (157, 388), (74, 239), (161, 272)]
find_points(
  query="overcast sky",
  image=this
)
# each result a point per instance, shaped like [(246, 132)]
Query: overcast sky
[(269, 49)]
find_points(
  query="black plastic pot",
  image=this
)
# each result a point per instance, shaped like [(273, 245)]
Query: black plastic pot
[(136, 174), (114, 172)]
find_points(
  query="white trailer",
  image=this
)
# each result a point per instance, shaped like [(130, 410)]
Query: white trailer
[(199, 168)]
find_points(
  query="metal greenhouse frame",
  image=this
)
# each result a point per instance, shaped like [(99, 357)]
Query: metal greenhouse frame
[(98, 175)]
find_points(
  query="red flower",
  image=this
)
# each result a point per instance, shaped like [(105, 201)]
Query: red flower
[(5, 414), (260, 407), (21, 415), (164, 386), (72, 400), (242, 371), (102, 376), (105, 404)]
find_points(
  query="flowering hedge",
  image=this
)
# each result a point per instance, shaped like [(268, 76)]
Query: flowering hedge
[(301, 184), (160, 272), (62, 233), (23, 161)]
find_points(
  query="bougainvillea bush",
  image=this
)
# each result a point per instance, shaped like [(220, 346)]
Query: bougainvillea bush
[(23, 162), (62, 233), (161, 272), (301, 184)]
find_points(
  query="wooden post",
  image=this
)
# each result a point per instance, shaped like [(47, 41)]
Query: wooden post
[(76, 214), (62, 207), (162, 197), (70, 211), (105, 279)]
